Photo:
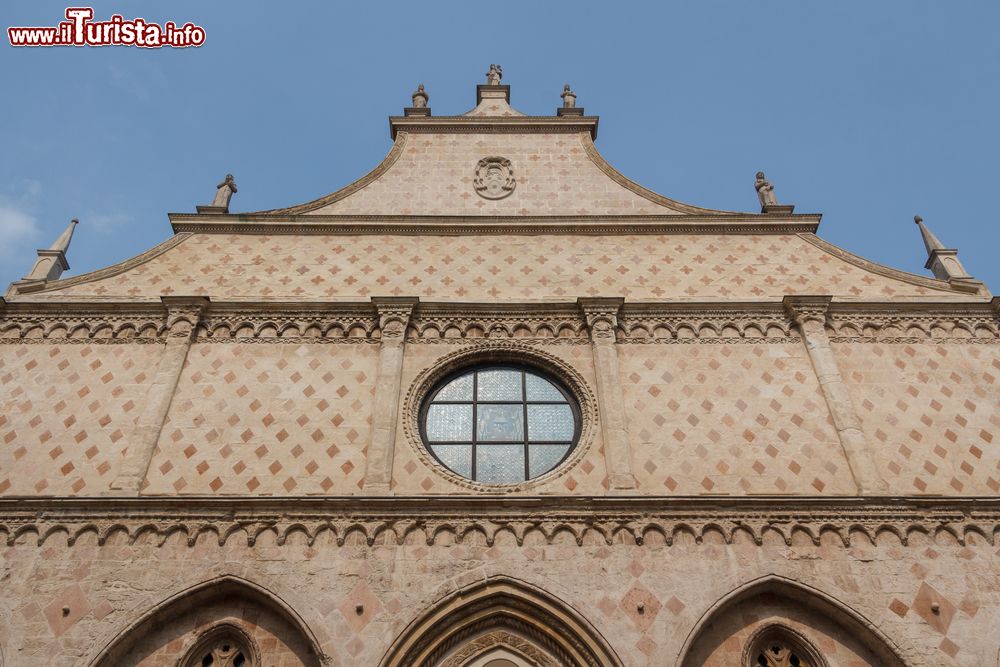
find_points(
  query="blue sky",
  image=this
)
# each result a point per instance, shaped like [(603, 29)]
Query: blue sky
[(868, 112)]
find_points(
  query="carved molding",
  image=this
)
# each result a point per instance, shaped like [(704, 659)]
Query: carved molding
[(497, 639), (491, 352), (390, 159), (658, 199), (601, 316), (109, 271), (309, 223), (545, 323), (880, 269), (446, 322), (715, 323), (551, 519), (778, 643)]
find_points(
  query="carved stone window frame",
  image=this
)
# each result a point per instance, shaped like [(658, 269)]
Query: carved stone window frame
[(497, 354), (776, 632), (204, 641), (476, 442)]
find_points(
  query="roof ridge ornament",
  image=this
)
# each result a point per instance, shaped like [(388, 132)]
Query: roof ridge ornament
[(419, 100), (51, 261), (494, 75), (931, 242), (943, 262), (768, 200), (223, 193), (493, 89), (569, 107)]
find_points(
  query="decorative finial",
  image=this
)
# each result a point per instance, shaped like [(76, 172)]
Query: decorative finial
[(931, 242), (420, 97), (62, 243), (765, 191), (52, 262), (223, 193), (568, 97), (943, 262), (494, 75)]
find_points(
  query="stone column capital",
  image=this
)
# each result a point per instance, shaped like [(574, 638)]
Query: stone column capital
[(394, 314), (803, 309), (601, 316), (183, 313)]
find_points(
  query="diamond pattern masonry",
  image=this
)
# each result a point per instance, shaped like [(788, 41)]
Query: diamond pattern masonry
[(267, 420), (66, 412), (493, 268), (729, 419), (931, 412)]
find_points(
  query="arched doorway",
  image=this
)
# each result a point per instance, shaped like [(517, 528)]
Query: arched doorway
[(776, 622), (223, 622), (500, 622)]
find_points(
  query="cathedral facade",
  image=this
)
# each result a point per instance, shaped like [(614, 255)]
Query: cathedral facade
[(496, 405)]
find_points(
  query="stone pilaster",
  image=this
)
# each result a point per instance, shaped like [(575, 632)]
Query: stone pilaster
[(809, 314), (182, 315), (393, 318), (601, 315)]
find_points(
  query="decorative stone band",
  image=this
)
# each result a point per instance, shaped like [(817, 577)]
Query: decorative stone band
[(583, 521), (281, 222), (635, 323)]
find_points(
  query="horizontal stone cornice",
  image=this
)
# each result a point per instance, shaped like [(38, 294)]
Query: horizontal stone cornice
[(280, 223), (587, 520), (641, 321), (492, 124)]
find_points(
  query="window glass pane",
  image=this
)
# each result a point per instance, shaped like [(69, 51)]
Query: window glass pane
[(500, 422), (539, 389), (457, 457), (459, 389), (499, 385), (500, 464), (448, 423), (550, 422), (542, 458)]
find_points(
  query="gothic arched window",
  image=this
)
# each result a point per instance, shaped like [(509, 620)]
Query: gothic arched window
[(778, 648), (223, 646), (500, 424)]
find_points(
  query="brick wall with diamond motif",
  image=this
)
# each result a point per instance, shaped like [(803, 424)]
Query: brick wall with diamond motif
[(67, 412), (267, 419), (730, 419), (931, 412)]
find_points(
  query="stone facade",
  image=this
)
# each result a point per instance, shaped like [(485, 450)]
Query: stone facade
[(784, 454)]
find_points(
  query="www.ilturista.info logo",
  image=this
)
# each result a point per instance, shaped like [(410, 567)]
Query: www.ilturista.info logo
[(80, 30)]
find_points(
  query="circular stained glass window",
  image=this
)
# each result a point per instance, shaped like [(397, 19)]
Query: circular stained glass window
[(500, 424)]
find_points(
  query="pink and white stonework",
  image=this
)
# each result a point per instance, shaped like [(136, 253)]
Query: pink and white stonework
[(213, 453)]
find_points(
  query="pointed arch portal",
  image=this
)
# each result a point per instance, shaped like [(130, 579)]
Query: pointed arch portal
[(173, 619), (781, 612), (500, 622)]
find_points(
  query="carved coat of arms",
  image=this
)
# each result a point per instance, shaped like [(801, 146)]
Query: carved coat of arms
[(494, 178)]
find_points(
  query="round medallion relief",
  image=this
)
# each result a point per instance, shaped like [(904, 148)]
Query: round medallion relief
[(494, 178)]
